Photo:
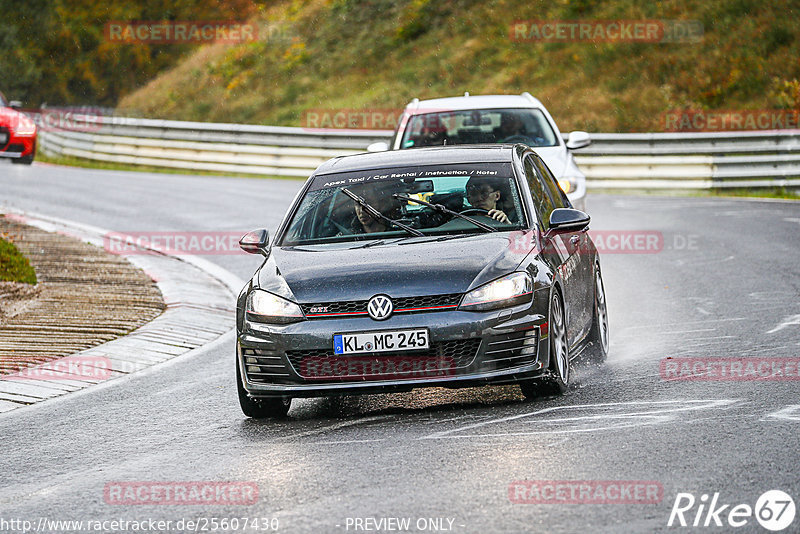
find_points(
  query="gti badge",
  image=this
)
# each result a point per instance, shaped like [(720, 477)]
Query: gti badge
[(380, 307)]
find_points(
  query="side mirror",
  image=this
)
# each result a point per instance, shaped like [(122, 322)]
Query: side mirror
[(568, 220), (380, 146), (578, 139), (255, 242), (15, 104)]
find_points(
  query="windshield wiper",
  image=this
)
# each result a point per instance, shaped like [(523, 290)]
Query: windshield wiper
[(378, 215), (443, 209)]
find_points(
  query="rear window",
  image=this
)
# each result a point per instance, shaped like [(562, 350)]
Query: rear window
[(523, 125), (327, 214)]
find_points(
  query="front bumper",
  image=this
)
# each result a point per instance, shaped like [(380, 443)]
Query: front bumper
[(17, 146), (466, 349)]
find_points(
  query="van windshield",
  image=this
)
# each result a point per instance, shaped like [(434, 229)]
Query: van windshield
[(477, 126)]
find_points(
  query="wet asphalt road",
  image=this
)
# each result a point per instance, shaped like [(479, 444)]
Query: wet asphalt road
[(726, 284)]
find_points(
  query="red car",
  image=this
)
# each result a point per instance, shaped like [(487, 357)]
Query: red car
[(17, 133)]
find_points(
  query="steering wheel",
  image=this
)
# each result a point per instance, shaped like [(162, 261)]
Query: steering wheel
[(474, 211)]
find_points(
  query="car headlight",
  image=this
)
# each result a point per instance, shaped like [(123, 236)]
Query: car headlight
[(568, 185), (25, 126), (265, 307), (510, 290)]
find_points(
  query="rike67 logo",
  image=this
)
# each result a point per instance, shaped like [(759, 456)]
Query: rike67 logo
[(774, 510)]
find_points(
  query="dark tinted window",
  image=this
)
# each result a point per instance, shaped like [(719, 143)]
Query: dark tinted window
[(542, 202), (550, 183)]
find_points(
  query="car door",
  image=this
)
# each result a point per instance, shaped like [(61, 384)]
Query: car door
[(562, 248), (578, 244)]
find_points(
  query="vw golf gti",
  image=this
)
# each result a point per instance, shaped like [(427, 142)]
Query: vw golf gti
[(443, 266)]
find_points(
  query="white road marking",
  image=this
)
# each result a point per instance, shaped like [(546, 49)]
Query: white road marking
[(698, 263), (708, 338), (790, 413), (663, 332), (661, 412), (792, 219), (345, 442), (684, 323), (434, 421), (335, 426), (788, 321)]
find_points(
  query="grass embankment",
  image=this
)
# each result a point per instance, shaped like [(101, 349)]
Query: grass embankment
[(350, 54), (14, 267)]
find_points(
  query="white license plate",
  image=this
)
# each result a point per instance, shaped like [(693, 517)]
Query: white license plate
[(388, 340)]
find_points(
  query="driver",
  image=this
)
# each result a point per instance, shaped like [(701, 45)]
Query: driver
[(379, 196), (484, 193), (510, 125)]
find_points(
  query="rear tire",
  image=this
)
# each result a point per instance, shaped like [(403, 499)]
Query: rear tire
[(556, 382), (598, 335), (261, 408)]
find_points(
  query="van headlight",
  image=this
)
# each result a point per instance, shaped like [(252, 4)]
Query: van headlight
[(510, 290), (264, 307)]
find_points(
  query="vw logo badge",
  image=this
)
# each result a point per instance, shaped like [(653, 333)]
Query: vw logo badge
[(380, 307)]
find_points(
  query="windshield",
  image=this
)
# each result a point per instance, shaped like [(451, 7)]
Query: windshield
[(485, 192), (528, 126), (3, 102)]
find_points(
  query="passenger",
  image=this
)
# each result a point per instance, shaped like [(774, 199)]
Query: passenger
[(485, 193)]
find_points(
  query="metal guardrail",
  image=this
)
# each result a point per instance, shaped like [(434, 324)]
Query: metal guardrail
[(613, 161)]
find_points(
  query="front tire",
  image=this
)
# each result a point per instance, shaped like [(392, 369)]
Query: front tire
[(261, 408), (557, 380), (25, 160)]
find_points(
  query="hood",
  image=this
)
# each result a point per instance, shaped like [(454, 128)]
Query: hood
[(399, 268)]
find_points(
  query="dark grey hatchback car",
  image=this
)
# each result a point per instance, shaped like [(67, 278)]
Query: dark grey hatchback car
[(447, 266)]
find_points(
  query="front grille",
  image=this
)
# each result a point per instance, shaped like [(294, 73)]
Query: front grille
[(428, 303), (441, 359), (15, 147), (510, 350), (264, 366)]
